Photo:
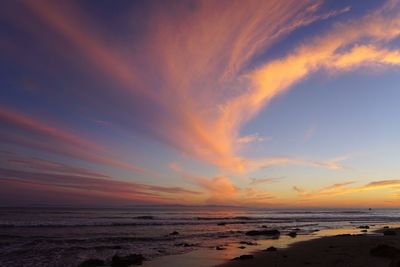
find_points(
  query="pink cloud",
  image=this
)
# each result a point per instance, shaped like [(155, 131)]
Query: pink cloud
[(196, 65), (43, 136), (49, 176)]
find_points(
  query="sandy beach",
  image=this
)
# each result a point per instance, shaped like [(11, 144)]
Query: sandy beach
[(341, 250)]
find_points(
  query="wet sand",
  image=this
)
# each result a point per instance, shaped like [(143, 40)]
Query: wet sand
[(340, 250)]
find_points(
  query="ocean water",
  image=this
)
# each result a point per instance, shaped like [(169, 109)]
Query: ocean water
[(68, 236)]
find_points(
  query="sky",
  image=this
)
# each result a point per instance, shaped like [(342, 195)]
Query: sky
[(249, 103)]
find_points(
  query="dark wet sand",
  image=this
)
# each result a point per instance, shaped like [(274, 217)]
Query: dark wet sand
[(341, 250)]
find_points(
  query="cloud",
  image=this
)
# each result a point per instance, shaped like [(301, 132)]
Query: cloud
[(257, 181), (251, 138), (337, 50), (188, 80), (27, 123), (310, 132), (26, 131), (331, 164), (49, 176), (221, 190), (344, 188), (186, 70)]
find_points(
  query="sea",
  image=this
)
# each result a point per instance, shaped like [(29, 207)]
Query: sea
[(67, 236)]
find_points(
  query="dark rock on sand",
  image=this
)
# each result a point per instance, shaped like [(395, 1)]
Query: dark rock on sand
[(385, 251), (174, 233), (292, 234), (395, 263), (125, 261), (249, 243), (243, 257), (363, 227), (92, 263), (186, 245), (389, 232), (385, 227), (242, 247), (271, 249), (364, 231), (107, 247), (221, 224), (344, 235), (263, 232)]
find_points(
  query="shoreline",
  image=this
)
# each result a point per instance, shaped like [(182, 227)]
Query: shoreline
[(206, 257), (363, 250)]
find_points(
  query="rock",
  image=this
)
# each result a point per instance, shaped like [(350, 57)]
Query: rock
[(271, 249), (384, 251), (363, 227), (125, 261), (220, 248), (92, 263), (263, 232), (186, 245), (174, 233), (292, 234), (385, 227), (107, 247), (389, 232), (243, 257), (221, 224), (364, 231), (242, 247), (249, 243), (395, 263)]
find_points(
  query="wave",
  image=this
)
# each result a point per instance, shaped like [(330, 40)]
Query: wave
[(203, 221)]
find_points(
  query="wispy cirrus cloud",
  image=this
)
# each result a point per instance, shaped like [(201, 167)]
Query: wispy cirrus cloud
[(268, 180), (24, 130), (345, 188), (252, 138), (190, 69), (331, 164), (46, 176), (222, 190), (189, 81)]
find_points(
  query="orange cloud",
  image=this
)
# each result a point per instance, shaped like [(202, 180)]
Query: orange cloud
[(221, 190), (256, 181), (197, 58), (343, 188), (194, 72)]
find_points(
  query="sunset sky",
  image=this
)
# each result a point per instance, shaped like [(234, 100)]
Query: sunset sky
[(263, 103)]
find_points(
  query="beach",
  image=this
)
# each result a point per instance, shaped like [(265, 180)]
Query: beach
[(178, 235), (340, 250)]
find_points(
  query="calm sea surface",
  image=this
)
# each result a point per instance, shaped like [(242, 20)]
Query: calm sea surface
[(67, 236)]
